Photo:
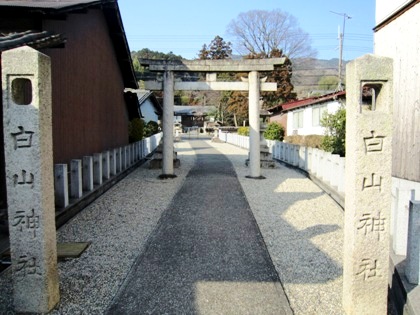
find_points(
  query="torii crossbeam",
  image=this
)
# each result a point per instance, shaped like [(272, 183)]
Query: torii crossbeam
[(211, 67)]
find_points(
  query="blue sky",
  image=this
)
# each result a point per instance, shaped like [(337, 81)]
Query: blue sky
[(183, 26)]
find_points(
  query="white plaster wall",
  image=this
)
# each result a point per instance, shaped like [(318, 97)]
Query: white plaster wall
[(308, 129), (400, 40), (385, 8), (148, 111)]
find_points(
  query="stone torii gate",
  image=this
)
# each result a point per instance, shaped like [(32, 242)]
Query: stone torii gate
[(253, 84)]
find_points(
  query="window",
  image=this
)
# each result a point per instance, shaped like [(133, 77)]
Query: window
[(298, 119), (22, 91), (317, 113)]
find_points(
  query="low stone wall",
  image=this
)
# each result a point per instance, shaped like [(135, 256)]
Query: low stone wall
[(328, 168), (83, 176)]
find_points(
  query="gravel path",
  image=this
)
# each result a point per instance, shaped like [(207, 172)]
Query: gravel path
[(302, 228), (207, 255)]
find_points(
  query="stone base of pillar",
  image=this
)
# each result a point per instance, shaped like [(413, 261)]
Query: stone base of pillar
[(167, 176), (157, 160), (217, 140), (252, 177), (158, 163), (266, 160)]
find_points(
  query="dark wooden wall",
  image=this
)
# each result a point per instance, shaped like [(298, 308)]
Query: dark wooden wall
[(89, 112)]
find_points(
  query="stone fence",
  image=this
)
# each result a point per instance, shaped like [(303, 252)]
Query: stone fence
[(328, 170), (235, 139), (326, 167), (72, 182)]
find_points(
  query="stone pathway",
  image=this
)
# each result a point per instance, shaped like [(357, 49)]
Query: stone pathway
[(207, 255)]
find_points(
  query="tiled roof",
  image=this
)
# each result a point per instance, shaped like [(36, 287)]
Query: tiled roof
[(34, 39), (195, 110), (310, 101), (52, 4)]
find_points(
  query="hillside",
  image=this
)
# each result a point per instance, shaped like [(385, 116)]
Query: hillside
[(308, 72)]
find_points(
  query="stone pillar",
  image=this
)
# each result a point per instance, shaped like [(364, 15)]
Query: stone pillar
[(399, 220), (368, 186), (97, 169), (168, 126), (76, 181), (87, 174), (105, 165), (118, 160), (113, 162), (412, 270), (254, 125), (26, 84), (61, 186)]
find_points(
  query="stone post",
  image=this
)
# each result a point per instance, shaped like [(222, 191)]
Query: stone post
[(254, 125), (399, 220), (97, 169), (118, 160), (368, 186), (412, 271), (26, 84), (113, 162), (76, 181), (61, 186), (168, 126), (105, 165), (87, 174)]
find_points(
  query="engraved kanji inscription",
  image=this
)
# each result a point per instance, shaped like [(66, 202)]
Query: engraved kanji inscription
[(26, 221), (370, 223), (26, 266), (372, 181), (24, 178), (368, 269), (374, 143), (22, 138)]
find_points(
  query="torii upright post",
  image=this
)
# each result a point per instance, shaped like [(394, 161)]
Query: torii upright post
[(168, 125), (254, 125)]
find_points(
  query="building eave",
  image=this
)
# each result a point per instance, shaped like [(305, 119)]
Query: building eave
[(309, 101)]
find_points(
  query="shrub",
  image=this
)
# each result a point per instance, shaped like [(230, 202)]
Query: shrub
[(243, 131), (274, 131), (312, 141), (135, 130), (335, 132), (151, 128)]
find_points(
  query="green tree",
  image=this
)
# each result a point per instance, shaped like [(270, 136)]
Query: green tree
[(274, 131), (151, 128), (145, 53), (282, 74), (136, 130), (218, 49), (335, 132), (328, 83), (243, 131)]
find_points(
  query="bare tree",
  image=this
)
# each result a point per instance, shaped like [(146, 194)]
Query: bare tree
[(260, 32)]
